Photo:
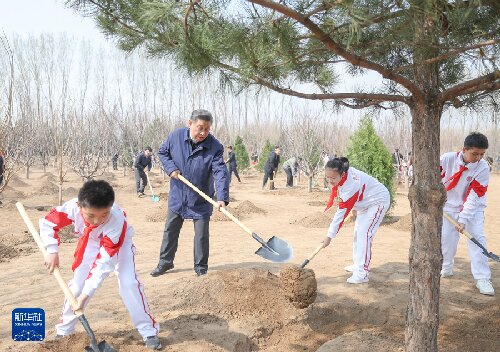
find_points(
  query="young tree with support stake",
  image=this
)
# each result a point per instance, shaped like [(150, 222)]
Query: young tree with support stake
[(430, 54)]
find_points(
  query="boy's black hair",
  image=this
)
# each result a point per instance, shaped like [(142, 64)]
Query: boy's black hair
[(149, 148), (96, 194), (340, 164), (476, 140)]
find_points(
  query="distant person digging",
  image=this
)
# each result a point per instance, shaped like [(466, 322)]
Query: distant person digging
[(271, 167), (142, 161), (233, 167), (291, 168)]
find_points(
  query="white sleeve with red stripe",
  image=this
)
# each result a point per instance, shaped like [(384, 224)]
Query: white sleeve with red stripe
[(51, 224), (476, 195), (348, 194), (113, 237)]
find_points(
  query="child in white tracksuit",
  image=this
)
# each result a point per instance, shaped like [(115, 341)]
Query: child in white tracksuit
[(465, 176), (361, 192), (104, 245)]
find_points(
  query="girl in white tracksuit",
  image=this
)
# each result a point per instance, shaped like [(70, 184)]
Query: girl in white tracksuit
[(465, 176), (358, 191), (104, 245)]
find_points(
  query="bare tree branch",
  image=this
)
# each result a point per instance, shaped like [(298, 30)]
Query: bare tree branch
[(472, 86)]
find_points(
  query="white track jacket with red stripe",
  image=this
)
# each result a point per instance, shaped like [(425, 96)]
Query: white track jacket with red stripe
[(110, 235), (469, 194), (359, 191)]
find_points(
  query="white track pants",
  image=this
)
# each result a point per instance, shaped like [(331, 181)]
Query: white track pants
[(131, 291), (367, 223), (449, 241)]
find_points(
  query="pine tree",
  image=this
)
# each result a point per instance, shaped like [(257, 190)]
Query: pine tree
[(242, 159), (367, 152)]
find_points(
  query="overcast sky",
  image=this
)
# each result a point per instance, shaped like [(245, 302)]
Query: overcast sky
[(27, 17)]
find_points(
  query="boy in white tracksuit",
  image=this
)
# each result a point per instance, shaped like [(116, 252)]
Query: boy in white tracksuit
[(361, 192), (104, 245), (465, 175)]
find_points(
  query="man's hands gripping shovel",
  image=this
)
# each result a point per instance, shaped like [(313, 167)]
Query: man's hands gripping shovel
[(52, 264), (275, 249)]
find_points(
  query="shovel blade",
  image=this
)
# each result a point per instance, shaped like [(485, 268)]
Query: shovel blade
[(155, 199), (283, 252), (102, 346)]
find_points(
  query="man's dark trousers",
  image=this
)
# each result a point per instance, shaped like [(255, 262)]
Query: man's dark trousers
[(170, 241), (140, 175), (289, 176), (235, 170)]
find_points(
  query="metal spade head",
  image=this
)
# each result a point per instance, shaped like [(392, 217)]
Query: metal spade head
[(279, 250), (102, 346), (155, 199)]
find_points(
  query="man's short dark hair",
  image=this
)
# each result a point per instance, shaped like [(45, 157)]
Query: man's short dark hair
[(230, 147), (476, 140), (201, 114), (276, 147), (96, 194), (149, 148)]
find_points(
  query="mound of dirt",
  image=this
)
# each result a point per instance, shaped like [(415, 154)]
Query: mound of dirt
[(241, 211), (247, 207), (157, 215), (220, 216), (17, 182), (299, 286), (234, 294), (15, 245), (47, 175), (316, 220), (71, 191), (12, 192), (404, 223), (47, 188), (317, 203)]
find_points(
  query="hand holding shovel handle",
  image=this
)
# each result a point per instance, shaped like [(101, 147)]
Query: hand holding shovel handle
[(320, 247), (470, 237), (102, 346)]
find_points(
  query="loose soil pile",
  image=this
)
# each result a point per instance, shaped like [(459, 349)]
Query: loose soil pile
[(15, 245), (241, 211), (243, 294), (47, 188), (317, 203), (299, 286), (17, 182), (78, 342), (404, 223)]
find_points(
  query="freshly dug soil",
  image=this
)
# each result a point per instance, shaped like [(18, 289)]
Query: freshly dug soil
[(299, 286)]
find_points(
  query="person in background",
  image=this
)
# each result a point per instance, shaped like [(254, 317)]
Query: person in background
[(233, 167), (291, 167), (271, 166), (142, 161)]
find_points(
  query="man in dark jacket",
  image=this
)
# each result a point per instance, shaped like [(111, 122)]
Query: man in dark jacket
[(231, 161), (197, 155), (142, 161), (271, 166)]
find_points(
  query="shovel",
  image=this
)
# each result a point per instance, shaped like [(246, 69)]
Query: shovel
[(490, 255), (102, 346), (320, 247), (154, 198), (275, 250)]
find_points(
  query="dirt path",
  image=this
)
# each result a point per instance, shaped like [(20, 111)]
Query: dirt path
[(238, 306)]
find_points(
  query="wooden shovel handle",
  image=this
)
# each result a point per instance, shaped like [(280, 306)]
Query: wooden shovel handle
[(455, 223), (57, 273), (320, 247), (214, 203)]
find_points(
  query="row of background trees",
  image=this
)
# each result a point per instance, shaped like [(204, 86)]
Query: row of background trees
[(85, 103)]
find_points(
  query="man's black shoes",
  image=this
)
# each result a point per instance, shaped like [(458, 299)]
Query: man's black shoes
[(161, 269)]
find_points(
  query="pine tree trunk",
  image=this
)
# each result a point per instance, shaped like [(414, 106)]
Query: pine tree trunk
[(427, 197)]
